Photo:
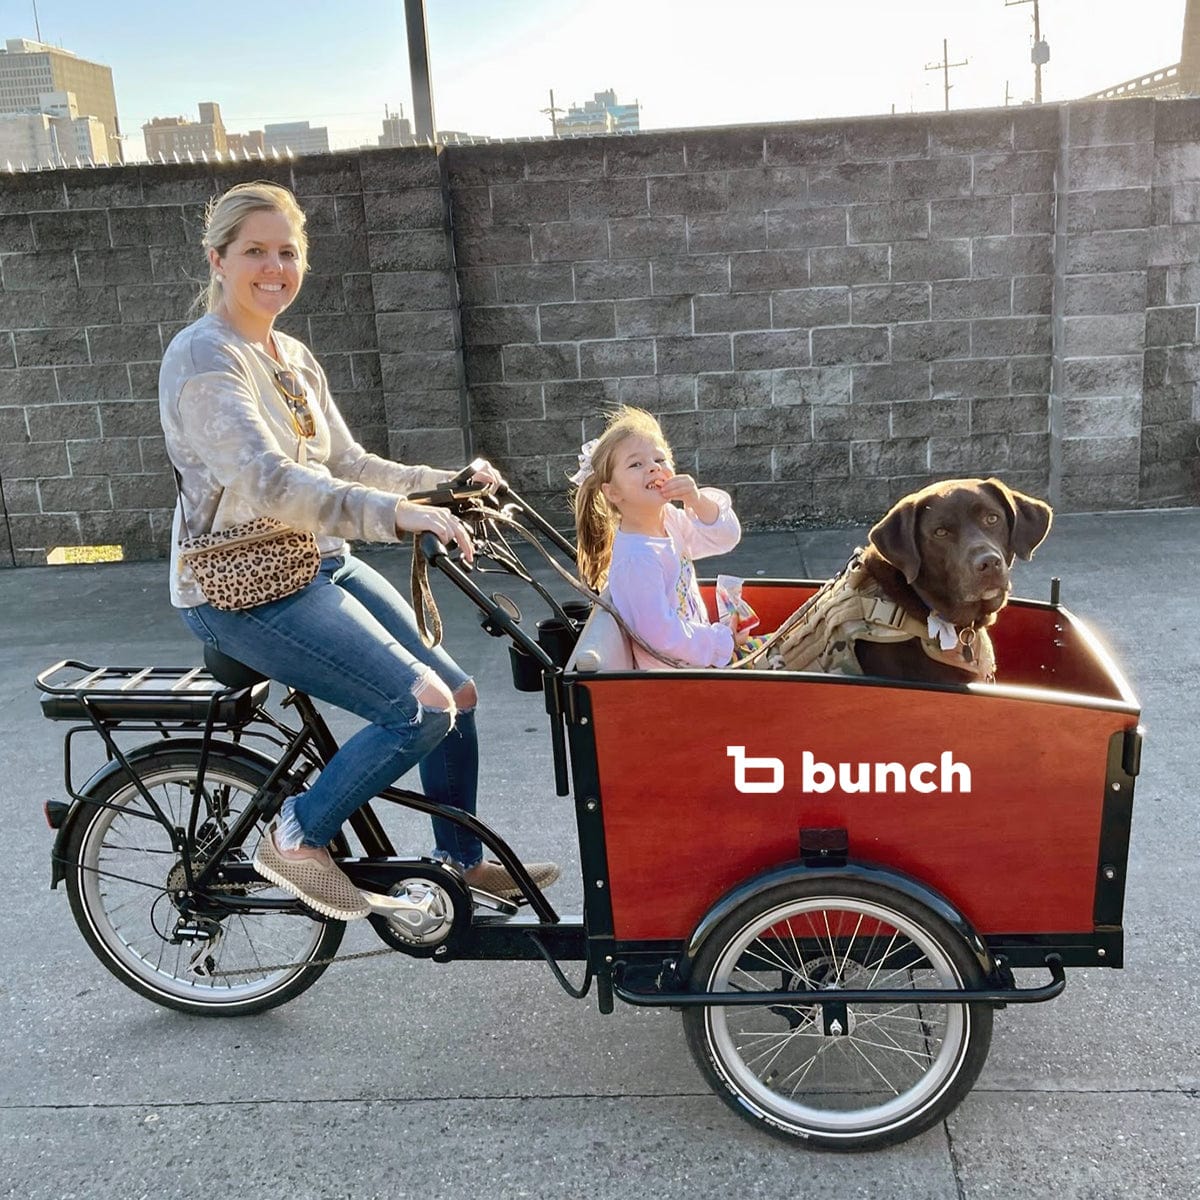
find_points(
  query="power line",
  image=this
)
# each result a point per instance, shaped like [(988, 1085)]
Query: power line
[(944, 66), (1040, 53), (552, 112)]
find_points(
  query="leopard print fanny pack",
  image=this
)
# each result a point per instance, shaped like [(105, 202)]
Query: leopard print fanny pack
[(251, 563)]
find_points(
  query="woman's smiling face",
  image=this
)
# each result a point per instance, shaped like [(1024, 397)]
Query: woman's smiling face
[(262, 268)]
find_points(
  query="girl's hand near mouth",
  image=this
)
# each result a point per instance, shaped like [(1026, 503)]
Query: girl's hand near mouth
[(682, 489)]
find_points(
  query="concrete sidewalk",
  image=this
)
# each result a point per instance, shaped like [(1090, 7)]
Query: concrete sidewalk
[(395, 1078)]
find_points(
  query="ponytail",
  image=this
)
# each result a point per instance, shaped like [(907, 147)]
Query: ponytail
[(595, 524)]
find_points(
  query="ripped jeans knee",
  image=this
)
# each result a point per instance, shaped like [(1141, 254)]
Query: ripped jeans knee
[(433, 697)]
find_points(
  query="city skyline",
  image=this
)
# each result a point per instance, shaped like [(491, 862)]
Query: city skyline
[(493, 64)]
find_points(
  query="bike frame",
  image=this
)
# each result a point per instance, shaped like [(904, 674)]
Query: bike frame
[(302, 750), (644, 974)]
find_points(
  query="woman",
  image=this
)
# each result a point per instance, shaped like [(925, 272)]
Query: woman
[(252, 431)]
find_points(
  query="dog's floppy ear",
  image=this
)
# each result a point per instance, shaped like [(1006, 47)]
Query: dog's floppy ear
[(895, 537), (1028, 518)]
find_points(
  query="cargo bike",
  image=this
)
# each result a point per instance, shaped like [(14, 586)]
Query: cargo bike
[(832, 879)]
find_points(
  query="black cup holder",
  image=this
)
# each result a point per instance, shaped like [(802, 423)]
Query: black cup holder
[(578, 611), (526, 671), (557, 638)]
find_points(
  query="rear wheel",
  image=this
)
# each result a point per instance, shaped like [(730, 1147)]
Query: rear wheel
[(838, 1076), (122, 873)]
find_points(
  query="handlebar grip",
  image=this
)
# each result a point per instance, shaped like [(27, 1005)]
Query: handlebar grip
[(431, 548)]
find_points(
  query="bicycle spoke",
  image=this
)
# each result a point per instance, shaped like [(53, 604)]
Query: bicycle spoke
[(130, 873)]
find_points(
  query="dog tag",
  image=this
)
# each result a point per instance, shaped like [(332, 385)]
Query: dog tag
[(967, 643)]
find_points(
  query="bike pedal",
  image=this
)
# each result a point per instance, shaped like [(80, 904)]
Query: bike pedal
[(386, 906), (496, 904)]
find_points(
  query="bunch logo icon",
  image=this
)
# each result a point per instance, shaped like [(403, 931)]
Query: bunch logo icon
[(742, 764)]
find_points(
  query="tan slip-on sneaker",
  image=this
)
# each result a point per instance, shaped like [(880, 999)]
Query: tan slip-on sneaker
[(310, 874), (490, 876)]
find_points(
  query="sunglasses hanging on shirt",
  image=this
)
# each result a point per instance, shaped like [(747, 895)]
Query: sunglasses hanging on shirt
[(292, 389)]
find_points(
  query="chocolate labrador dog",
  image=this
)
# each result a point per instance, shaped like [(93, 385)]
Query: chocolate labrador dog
[(947, 550)]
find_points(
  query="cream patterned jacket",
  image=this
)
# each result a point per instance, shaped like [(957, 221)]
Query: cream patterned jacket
[(230, 435)]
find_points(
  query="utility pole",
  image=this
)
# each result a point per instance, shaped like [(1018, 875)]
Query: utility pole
[(944, 66), (1039, 55), (418, 67), (552, 113)]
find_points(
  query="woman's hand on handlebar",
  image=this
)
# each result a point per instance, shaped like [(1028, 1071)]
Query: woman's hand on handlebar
[(443, 524), (479, 471), (488, 474)]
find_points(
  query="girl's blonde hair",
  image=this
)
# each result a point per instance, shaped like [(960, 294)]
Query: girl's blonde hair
[(595, 518), (223, 221)]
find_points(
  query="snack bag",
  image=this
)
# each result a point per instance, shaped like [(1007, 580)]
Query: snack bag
[(732, 610), (735, 612)]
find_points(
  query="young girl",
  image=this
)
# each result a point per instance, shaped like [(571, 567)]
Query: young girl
[(631, 534)]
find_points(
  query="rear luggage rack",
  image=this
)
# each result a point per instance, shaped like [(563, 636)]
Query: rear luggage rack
[(73, 691)]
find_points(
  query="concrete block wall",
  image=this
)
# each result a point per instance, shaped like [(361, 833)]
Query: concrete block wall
[(825, 315), (1105, 231), (1170, 417), (100, 268)]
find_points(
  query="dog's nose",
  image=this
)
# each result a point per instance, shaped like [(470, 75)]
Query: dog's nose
[(989, 562)]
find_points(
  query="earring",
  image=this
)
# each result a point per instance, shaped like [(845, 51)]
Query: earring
[(220, 278)]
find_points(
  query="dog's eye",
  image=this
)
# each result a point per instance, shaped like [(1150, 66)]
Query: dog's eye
[(991, 519), (941, 531)]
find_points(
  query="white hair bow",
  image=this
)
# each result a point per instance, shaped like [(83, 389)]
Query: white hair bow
[(585, 461)]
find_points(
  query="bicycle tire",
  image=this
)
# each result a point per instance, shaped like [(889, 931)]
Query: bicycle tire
[(105, 874)]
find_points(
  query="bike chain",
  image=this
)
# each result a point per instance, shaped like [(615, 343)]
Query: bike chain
[(267, 970), (316, 962)]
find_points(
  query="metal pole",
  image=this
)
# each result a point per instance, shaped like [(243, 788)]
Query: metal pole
[(1038, 51), (418, 68), (1037, 66)]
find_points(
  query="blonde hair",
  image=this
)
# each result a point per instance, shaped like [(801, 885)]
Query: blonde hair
[(596, 519), (223, 220)]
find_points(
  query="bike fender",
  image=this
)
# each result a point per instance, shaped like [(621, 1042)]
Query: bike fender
[(80, 805), (852, 871)]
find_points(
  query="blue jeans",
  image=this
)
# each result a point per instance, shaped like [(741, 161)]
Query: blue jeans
[(351, 639)]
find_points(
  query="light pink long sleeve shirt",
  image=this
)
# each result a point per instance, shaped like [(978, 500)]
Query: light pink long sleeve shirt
[(653, 585)]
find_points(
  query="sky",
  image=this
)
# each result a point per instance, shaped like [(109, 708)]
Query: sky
[(687, 62)]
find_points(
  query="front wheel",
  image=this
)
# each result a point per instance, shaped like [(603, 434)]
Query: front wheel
[(122, 873), (839, 1077)]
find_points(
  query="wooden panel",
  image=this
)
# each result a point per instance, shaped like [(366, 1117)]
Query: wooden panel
[(1017, 852)]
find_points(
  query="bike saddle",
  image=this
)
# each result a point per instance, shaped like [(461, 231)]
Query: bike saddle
[(229, 671)]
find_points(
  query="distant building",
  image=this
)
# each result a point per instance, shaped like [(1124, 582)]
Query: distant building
[(1175, 79), (297, 136), (601, 114), (249, 144), (398, 131), (29, 70), (56, 135), (177, 137)]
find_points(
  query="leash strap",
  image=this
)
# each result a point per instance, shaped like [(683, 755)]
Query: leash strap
[(429, 619)]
